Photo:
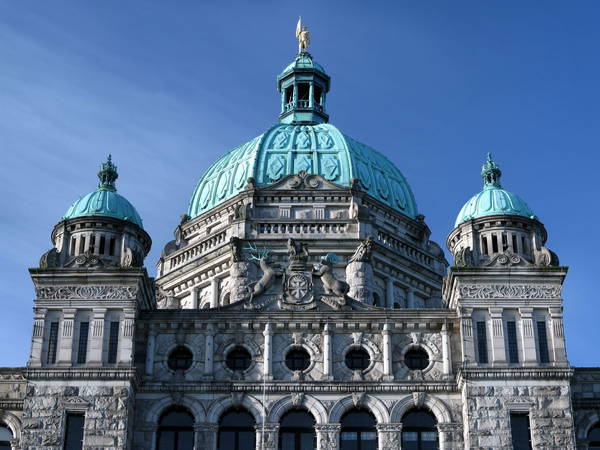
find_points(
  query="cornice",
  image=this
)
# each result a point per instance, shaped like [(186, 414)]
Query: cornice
[(514, 373)]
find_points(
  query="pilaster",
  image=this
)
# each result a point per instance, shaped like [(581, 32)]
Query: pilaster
[(558, 336), (389, 292), (205, 436), (387, 353), (267, 436), (150, 349), (327, 353), (446, 351), (127, 332), (527, 337), (389, 436), (328, 436), (97, 336), (35, 358), (209, 350), (65, 342), (497, 335), (268, 352)]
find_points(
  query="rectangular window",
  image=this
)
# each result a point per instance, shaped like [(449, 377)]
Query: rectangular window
[(111, 247), (52, 343), (73, 245), (84, 330), (74, 431), (92, 243), (303, 91), (317, 92), (494, 243), (113, 342), (81, 243), (513, 349), (504, 242), (520, 431), (523, 244), (482, 342), (543, 342), (484, 245), (102, 244), (514, 243)]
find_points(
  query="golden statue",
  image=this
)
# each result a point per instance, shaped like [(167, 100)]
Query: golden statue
[(303, 36)]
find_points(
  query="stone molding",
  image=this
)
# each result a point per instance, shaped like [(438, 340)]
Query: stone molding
[(511, 373), (98, 292), (509, 291), (82, 374), (314, 406)]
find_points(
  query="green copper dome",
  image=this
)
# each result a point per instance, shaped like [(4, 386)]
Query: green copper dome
[(493, 199), (317, 149), (303, 61), (105, 201)]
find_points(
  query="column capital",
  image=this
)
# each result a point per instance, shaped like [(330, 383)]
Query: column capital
[(389, 427), (328, 427)]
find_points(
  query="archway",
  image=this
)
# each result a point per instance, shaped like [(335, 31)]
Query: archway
[(236, 430), (297, 431), (358, 430), (419, 431), (175, 430)]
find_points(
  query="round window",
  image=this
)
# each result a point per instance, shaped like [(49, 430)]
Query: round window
[(297, 359), (180, 359), (238, 359), (358, 359), (416, 359)]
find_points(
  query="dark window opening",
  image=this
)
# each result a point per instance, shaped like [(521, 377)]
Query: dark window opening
[(236, 431), (81, 243), (484, 244), (111, 247), (180, 359), (52, 343), (419, 431), (74, 431), (357, 359), (175, 430), (318, 92), (92, 243), (494, 243), (102, 245), (358, 431), (84, 330), (543, 342), (416, 359), (513, 348), (514, 243), (523, 244), (5, 437), (113, 342), (289, 94), (297, 431), (376, 299), (73, 245), (504, 242), (303, 91), (297, 359), (594, 437), (238, 359), (520, 432), (396, 305), (482, 342)]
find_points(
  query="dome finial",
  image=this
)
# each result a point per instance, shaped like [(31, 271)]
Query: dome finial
[(491, 173), (303, 36), (108, 175)]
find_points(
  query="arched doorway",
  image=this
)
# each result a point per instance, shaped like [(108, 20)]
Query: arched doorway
[(419, 431), (594, 437), (175, 430), (297, 431), (358, 431), (5, 437), (236, 431)]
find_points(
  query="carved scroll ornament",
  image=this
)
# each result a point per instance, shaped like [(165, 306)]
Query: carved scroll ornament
[(521, 291), (87, 292)]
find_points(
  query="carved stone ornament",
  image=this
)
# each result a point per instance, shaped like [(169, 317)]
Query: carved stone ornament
[(508, 259), (237, 253), (297, 254), (358, 398), (304, 181), (298, 291), (49, 259), (331, 285), (363, 251), (464, 258), (86, 259), (492, 291), (87, 292)]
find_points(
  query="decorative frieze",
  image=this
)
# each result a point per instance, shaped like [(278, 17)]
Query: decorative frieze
[(510, 291), (99, 292)]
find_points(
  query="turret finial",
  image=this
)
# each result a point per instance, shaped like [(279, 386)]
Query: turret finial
[(108, 175), (491, 173), (303, 36)]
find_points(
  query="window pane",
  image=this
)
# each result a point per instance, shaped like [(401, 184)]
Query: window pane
[(307, 441), (410, 436), (185, 440), (74, 432), (84, 328), (513, 350), (349, 436), (368, 435), (246, 440), (519, 428), (166, 440), (429, 436), (288, 442), (543, 342), (226, 440), (482, 342), (5, 434), (113, 342), (52, 343)]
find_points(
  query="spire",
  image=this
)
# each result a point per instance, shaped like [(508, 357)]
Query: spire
[(491, 173), (107, 175)]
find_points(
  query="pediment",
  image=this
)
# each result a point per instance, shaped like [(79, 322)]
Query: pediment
[(508, 259)]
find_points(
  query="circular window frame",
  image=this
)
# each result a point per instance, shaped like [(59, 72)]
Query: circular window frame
[(171, 349), (311, 355), (364, 347), (232, 347), (422, 347), (177, 346)]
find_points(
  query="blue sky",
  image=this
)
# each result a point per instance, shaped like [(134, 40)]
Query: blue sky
[(167, 87)]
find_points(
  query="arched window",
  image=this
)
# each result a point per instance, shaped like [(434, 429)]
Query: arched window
[(358, 431), (297, 431), (5, 437), (236, 431), (594, 437), (419, 431), (176, 430)]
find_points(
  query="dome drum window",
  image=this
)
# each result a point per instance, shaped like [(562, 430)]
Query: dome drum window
[(181, 358), (238, 359)]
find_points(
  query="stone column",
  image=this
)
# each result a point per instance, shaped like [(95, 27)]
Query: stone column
[(97, 336), (65, 342), (268, 353), (466, 331), (527, 337), (557, 336), (387, 353), (214, 292), (295, 95), (497, 334), (37, 339), (194, 298), (150, 349), (446, 351), (389, 436), (310, 95), (126, 338), (327, 353), (267, 436), (328, 436), (208, 350), (283, 100), (410, 298), (205, 436), (389, 292)]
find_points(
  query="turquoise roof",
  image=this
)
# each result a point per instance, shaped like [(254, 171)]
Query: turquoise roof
[(317, 149), (105, 201), (493, 199), (303, 61)]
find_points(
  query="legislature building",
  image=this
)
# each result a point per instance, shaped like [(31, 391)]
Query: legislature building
[(301, 305)]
